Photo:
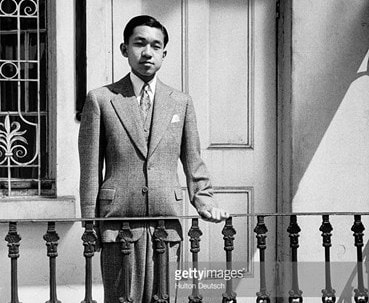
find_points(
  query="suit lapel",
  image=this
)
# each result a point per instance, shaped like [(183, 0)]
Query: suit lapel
[(125, 105), (164, 107)]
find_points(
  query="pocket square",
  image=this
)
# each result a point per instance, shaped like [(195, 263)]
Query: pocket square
[(175, 119)]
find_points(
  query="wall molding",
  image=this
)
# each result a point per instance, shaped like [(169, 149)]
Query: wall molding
[(250, 88)]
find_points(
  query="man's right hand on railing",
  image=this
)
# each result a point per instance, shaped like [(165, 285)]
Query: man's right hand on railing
[(214, 214)]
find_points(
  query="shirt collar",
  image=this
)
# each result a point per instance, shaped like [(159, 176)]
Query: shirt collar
[(138, 84)]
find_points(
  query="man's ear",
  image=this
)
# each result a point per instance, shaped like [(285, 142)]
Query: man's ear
[(123, 49), (164, 54)]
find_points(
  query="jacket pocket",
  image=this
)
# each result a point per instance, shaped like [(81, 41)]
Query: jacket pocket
[(178, 193), (106, 194)]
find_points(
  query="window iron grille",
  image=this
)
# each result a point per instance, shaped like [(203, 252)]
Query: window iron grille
[(23, 96)]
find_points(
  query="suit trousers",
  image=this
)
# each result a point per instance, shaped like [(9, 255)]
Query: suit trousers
[(143, 266)]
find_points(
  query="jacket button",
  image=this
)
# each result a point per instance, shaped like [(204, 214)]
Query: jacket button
[(145, 189)]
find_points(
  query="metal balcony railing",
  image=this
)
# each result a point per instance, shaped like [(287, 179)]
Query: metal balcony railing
[(89, 241)]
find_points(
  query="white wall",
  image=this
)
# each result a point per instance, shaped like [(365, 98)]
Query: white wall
[(328, 134)]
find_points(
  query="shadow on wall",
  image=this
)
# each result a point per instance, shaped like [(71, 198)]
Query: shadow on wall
[(330, 40), (346, 295)]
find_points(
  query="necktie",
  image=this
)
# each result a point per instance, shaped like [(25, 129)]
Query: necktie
[(145, 100)]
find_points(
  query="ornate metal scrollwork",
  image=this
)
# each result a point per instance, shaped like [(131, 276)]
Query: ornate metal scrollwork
[(8, 70), (160, 234), (89, 239), (22, 8), (51, 238), (13, 239), (195, 233), (228, 235), (10, 133)]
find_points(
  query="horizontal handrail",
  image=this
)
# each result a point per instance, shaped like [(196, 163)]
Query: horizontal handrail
[(147, 218)]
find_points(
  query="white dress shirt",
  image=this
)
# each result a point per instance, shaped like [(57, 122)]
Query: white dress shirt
[(138, 85)]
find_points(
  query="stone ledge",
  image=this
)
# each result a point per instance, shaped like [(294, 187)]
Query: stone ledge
[(37, 208)]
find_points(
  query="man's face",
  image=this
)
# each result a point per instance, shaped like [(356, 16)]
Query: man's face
[(145, 51)]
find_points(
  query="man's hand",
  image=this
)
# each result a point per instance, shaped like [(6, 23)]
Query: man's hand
[(213, 215)]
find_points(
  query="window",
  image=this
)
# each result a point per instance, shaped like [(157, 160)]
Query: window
[(25, 150)]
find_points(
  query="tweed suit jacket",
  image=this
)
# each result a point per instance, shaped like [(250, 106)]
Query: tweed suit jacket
[(123, 175)]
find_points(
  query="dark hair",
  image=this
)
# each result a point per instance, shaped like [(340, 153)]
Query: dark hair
[(144, 20)]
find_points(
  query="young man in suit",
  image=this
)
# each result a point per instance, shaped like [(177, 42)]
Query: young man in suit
[(138, 128)]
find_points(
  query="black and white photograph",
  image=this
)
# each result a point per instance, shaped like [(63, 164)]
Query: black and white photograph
[(171, 151)]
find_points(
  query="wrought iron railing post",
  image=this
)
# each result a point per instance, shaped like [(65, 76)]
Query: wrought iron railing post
[(326, 229), (261, 230), (125, 238), (52, 238), (361, 293), (366, 262), (228, 236), (195, 233), (295, 294), (89, 241), (160, 234), (13, 239)]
